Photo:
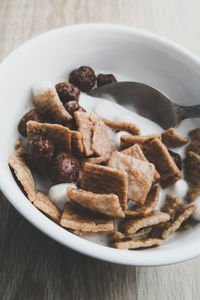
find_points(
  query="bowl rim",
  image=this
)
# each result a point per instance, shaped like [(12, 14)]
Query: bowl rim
[(55, 231)]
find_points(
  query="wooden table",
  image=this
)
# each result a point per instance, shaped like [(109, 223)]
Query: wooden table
[(32, 266)]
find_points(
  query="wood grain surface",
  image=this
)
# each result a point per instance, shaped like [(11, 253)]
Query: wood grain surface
[(32, 266)]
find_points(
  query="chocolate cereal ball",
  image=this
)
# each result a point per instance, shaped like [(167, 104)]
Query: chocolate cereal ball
[(84, 78), (31, 115), (73, 106), (177, 159), (64, 168), (67, 91), (103, 79), (37, 151)]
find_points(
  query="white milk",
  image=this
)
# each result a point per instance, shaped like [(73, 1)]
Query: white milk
[(58, 194)]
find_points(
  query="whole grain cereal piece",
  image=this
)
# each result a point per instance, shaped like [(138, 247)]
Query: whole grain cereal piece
[(192, 168), (182, 215), (123, 126), (179, 217), (76, 219), (194, 144), (96, 160), (85, 123), (195, 134), (77, 143), (133, 225), (193, 193), (24, 175), (142, 233), (172, 139), (129, 140), (177, 159), (136, 243), (49, 103), (157, 153), (104, 180), (149, 205), (89, 233), (192, 172), (101, 143), (44, 204), (136, 152), (107, 204), (140, 175), (59, 135), (171, 205)]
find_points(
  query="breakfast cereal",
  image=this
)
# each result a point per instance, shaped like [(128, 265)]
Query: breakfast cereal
[(140, 175), (106, 179), (107, 204), (148, 206), (122, 126), (129, 140), (24, 175), (157, 153), (173, 140), (76, 219), (133, 225), (44, 204), (49, 103), (136, 243), (101, 143)]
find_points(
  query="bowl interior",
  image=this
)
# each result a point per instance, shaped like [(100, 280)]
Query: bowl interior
[(134, 55)]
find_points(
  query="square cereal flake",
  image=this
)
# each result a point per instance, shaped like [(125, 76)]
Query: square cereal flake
[(74, 218), (140, 175), (104, 180), (23, 175), (107, 204), (157, 153), (49, 103)]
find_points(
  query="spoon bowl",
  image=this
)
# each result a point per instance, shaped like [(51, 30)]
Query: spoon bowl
[(147, 102)]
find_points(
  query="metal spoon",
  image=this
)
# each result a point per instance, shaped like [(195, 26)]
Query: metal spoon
[(147, 102)]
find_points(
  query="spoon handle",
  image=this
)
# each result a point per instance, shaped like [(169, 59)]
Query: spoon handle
[(186, 112)]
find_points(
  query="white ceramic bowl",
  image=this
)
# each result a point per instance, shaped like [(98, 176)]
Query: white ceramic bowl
[(134, 54)]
